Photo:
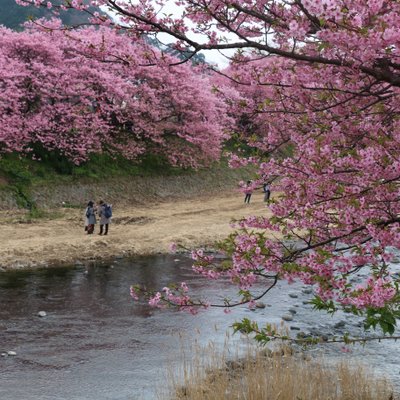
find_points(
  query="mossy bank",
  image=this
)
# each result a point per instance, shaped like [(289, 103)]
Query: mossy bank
[(54, 182)]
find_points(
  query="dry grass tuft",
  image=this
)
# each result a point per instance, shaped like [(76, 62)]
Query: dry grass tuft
[(277, 375)]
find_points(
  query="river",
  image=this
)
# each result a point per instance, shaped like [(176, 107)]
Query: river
[(96, 343)]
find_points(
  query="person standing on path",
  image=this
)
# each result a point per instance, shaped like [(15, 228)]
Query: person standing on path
[(105, 213), (248, 192), (267, 191), (90, 218)]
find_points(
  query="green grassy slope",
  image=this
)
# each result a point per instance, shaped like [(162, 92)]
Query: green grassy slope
[(52, 182)]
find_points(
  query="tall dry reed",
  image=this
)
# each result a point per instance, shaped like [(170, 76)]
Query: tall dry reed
[(274, 375)]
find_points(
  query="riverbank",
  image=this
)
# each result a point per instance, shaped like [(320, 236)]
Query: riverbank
[(58, 238)]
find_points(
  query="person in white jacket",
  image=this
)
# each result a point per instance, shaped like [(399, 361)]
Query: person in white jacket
[(90, 218)]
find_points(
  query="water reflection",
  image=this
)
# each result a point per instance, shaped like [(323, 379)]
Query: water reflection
[(96, 343)]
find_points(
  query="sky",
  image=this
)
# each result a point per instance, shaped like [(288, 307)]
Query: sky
[(212, 56)]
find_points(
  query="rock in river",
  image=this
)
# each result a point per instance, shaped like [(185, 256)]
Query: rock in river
[(287, 317), (340, 324), (260, 304), (41, 314)]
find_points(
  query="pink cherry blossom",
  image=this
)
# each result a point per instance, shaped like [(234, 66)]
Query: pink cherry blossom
[(93, 90), (311, 96)]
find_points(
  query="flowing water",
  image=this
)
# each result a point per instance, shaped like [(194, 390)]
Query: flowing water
[(95, 343)]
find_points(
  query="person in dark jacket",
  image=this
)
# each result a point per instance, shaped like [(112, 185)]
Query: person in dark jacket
[(90, 215), (105, 219), (248, 191), (267, 191)]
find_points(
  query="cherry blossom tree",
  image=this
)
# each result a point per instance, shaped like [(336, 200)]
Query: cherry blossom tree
[(92, 90), (317, 98)]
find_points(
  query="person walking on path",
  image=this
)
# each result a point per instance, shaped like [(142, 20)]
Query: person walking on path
[(90, 218), (105, 213), (267, 191), (248, 190)]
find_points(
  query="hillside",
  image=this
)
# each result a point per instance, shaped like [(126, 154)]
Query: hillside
[(35, 186), (13, 15)]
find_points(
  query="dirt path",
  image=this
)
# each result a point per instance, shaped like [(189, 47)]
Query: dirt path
[(135, 230)]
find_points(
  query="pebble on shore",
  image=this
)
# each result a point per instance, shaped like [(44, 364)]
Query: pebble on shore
[(287, 317)]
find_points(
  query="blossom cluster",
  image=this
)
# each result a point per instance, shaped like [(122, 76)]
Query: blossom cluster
[(93, 90)]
